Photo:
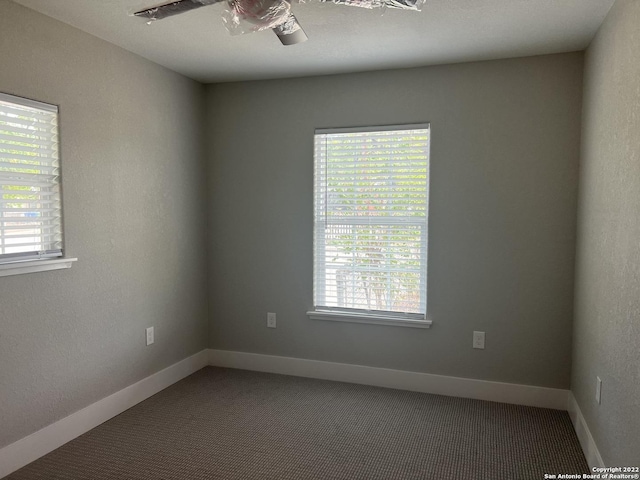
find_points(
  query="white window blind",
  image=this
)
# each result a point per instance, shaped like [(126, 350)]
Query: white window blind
[(30, 204), (370, 221)]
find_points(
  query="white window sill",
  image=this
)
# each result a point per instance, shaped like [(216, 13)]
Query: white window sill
[(32, 266), (368, 318)]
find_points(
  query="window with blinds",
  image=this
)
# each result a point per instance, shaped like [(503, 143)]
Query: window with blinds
[(30, 204), (370, 222)]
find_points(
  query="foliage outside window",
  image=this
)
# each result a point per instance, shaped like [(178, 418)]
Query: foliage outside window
[(370, 221)]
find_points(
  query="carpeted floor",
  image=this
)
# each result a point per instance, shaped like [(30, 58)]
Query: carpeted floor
[(233, 424)]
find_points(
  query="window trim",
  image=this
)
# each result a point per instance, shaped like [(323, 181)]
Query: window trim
[(399, 319), (32, 266), (375, 128), (38, 261), (406, 320)]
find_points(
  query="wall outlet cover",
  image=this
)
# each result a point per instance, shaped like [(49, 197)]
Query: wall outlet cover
[(150, 338), (478, 340), (271, 320)]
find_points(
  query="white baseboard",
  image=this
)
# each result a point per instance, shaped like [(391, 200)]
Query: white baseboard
[(384, 377), (34, 446), (584, 435)]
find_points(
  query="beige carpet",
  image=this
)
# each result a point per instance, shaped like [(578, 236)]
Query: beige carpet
[(233, 424)]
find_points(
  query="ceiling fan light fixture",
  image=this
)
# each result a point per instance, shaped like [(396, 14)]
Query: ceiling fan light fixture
[(290, 32), (292, 38), (248, 16)]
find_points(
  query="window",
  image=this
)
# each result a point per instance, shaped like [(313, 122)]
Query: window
[(30, 203), (371, 194)]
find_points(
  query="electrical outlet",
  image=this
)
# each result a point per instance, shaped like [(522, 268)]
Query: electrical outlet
[(150, 339), (271, 320), (478, 340), (598, 390)]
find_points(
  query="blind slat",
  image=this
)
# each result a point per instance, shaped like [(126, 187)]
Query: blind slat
[(10, 237), (24, 149), (15, 128), (10, 111), (25, 168), (39, 226), (28, 159), (32, 203), (16, 142), (10, 177), (37, 245)]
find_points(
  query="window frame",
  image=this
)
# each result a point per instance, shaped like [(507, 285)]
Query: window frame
[(363, 316), (27, 262)]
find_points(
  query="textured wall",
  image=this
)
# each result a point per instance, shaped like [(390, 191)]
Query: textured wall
[(134, 207), (607, 308), (505, 150)]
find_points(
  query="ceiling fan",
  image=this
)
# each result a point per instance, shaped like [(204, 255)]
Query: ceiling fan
[(245, 16)]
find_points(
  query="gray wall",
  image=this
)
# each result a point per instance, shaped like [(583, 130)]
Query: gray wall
[(134, 208), (607, 306), (505, 150)]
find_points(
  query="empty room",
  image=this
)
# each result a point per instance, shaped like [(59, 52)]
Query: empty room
[(319, 239)]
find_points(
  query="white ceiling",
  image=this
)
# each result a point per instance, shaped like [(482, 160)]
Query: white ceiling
[(341, 39)]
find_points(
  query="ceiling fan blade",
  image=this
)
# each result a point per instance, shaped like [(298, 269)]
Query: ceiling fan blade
[(173, 8), (290, 32), (404, 4)]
